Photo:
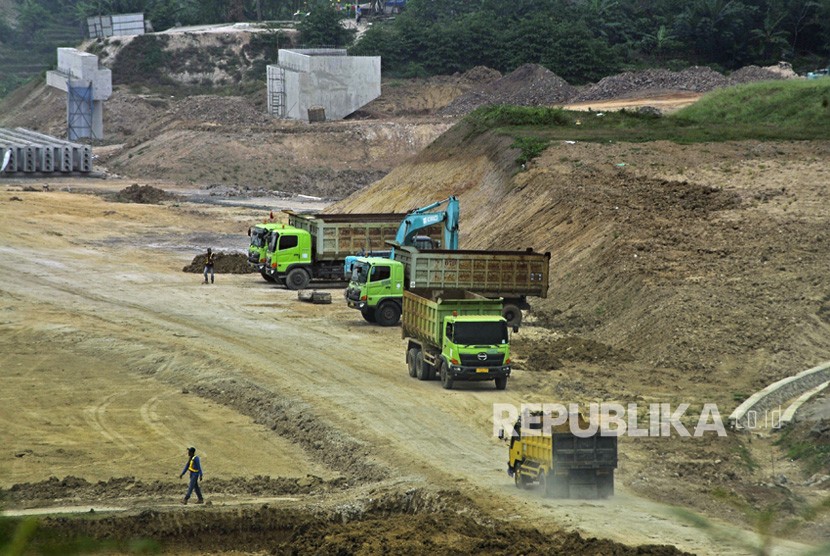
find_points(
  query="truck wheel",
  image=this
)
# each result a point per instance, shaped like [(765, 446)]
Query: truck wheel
[(410, 361), (512, 314), (368, 314), (297, 279), (267, 277), (446, 377), (388, 314), (421, 366), (501, 383)]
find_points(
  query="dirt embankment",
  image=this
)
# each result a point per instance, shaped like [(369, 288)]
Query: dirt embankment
[(684, 274), (414, 522)]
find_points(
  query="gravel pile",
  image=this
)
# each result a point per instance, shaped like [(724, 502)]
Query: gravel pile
[(695, 79), (750, 74), (528, 85)]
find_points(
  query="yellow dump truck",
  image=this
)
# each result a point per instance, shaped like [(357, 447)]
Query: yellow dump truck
[(564, 465)]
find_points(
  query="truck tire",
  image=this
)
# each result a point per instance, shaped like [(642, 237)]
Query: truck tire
[(388, 314), (446, 377), (421, 366), (410, 360), (501, 383), (512, 314), (297, 279), (368, 314), (267, 277)]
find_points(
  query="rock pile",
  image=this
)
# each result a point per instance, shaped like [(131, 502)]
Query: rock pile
[(694, 79), (534, 85), (529, 85)]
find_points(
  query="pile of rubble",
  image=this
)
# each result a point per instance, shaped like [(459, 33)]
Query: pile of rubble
[(529, 85), (695, 79), (534, 85)]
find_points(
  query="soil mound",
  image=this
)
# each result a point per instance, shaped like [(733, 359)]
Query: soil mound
[(143, 194), (223, 110), (225, 263), (547, 355), (398, 523), (528, 85), (481, 74)]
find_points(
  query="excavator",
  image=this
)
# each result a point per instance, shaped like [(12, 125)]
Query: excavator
[(415, 221)]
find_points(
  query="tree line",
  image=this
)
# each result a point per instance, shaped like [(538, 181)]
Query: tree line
[(580, 40)]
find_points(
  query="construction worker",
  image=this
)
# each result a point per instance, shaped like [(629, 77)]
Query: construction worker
[(209, 260), (195, 468)]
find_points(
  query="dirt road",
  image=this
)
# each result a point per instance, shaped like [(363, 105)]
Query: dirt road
[(115, 361)]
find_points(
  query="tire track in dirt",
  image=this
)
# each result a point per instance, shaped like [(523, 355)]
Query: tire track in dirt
[(364, 396), (96, 419)]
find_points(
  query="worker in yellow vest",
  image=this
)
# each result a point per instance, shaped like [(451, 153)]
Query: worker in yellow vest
[(210, 258), (195, 468)]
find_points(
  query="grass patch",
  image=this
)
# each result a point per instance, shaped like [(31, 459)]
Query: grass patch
[(746, 458), (815, 455), (530, 147), (773, 110)]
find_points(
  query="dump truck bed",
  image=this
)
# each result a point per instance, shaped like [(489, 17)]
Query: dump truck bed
[(424, 311), (507, 274), (336, 236)]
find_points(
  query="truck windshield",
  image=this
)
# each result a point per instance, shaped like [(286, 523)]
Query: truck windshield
[(259, 237), (360, 273), (480, 333)]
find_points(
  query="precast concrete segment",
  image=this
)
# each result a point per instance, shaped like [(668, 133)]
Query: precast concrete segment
[(326, 79), (777, 393), (30, 152), (76, 68)]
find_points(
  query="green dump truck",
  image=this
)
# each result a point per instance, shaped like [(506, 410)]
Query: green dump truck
[(258, 247), (377, 284), (315, 246), (455, 335)]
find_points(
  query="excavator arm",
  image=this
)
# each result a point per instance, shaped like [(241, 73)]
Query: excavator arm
[(421, 218)]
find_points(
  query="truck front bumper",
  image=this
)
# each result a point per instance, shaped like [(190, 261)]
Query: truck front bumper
[(355, 304), (479, 373)]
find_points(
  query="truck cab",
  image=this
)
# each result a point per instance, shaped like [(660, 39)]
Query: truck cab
[(455, 335), (474, 347), (375, 289), (258, 247), (288, 256)]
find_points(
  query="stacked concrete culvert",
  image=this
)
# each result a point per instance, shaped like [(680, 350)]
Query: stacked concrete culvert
[(32, 152)]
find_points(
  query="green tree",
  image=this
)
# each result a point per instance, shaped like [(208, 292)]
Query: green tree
[(323, 27)]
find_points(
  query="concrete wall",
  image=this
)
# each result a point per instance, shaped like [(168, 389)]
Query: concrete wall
[(778, 393), (340, 84)]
